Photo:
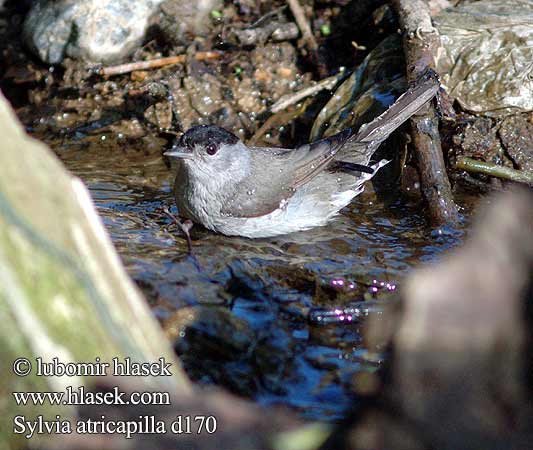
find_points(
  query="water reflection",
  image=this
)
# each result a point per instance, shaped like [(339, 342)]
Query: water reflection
[(247, 301)]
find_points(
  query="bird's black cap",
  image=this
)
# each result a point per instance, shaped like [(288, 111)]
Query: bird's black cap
[(207, 134)]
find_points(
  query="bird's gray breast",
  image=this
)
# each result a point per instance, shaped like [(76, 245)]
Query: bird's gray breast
[(185, 193)]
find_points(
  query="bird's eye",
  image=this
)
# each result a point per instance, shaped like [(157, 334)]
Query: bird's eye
[(211, 149)]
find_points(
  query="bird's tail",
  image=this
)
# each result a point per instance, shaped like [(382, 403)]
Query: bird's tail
[(374, 133)]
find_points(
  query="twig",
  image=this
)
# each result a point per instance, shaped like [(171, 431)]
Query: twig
[(278, 31), (494, 170), (303, 24), (280, 118), (421, 42), (291, 99), (155, 63)]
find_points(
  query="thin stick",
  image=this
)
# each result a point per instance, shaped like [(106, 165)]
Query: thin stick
[(291, 99), (421, 42), (280, 118), (155, 63), (494, 170), (303, 24)]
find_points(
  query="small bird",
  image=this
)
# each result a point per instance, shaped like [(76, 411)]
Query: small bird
[(259, 192)]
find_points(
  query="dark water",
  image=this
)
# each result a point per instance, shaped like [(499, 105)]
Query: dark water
[(238, 309)]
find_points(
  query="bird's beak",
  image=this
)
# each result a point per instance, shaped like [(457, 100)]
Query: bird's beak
[(179, 152)]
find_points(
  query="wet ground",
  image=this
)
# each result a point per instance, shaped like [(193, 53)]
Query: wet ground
[(238, 310)]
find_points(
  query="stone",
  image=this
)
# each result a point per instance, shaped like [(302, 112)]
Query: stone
[(63, 290), (98, 31)]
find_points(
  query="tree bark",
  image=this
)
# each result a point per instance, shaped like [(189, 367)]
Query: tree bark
[(421, 42)]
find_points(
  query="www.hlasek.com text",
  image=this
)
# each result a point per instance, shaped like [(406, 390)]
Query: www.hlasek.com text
[(81, 396)]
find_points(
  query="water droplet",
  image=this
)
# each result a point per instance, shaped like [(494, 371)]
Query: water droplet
[(251, 191)]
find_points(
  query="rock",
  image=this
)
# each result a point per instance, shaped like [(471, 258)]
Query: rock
[(205, 93), (210, 331), (92, 30), (63, 290), (215, 345), (516, 134), (459, 375), (180, 19), (486, 53), (478, 139), (462, 348)]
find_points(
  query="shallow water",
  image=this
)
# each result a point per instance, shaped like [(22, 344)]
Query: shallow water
[(238, 309)]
